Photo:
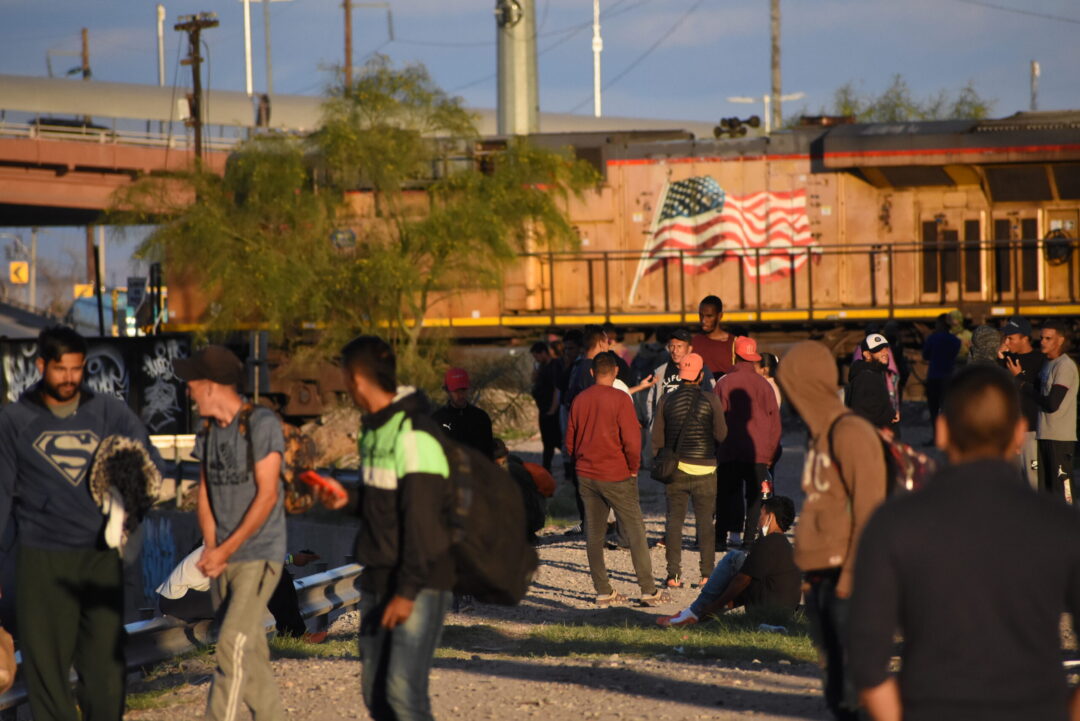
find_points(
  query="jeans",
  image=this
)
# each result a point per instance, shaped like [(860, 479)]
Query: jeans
[(683, 489), (828, 616), (397, 662), (243, 672), (622, 497), (738, 498), (722, 575)]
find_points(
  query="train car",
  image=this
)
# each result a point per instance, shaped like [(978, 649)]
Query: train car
[(847, 223)]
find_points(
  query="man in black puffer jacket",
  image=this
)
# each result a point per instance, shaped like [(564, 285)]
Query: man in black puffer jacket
[(702, 414), (867, 391)]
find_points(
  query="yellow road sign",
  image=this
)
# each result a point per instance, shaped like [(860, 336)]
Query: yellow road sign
[(19, 271), (84, 290)]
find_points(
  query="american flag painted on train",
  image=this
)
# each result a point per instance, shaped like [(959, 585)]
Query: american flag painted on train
[(766, 230)]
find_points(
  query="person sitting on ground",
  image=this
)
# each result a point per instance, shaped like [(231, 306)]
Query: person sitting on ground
[(535, 506), (459, 419), (767, 577), (867, 391)]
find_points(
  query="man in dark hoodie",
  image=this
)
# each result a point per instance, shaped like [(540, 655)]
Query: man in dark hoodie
[(843, 481), (460, 419), (867, 390), (68, 584), (979, 642), (404, 540)]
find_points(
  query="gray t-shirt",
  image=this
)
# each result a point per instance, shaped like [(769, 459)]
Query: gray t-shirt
[(232, 484), (1061, 424)]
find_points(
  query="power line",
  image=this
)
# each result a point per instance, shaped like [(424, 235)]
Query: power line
[(640, 58), (1019, 11)]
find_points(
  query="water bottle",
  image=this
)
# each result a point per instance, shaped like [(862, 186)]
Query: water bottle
[(766, 486)]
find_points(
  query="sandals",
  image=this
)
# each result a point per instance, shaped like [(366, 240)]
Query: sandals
[(612, 599)]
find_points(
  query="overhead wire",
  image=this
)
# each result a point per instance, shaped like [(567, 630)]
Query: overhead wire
[(1019, 11), (641, 58)]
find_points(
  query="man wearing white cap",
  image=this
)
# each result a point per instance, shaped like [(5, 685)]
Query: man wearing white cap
[(867, 391)]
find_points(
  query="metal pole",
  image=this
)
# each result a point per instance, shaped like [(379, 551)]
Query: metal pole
[(597, 48), (248, 85), (767, 100), (34, 267), (161, 45), (1035, 84), (682, 286), (266, 31), (98, 291), (592, 297), (757, 286), (348, 46), (607, 286), (774, 27)]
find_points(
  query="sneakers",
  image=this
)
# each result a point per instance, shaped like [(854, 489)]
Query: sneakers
[(701, 583), (657, 599), (612, 599), (674, 581), (684, 617)]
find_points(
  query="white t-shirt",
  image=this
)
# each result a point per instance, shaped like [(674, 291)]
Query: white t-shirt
[(185, 577)]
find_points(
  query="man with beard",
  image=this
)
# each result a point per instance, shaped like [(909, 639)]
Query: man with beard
[(714, 344), (68, 583)]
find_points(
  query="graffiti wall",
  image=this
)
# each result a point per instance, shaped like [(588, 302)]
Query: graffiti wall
[(135, 370)]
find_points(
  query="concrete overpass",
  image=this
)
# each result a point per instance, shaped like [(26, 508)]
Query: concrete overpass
[(54, 170)]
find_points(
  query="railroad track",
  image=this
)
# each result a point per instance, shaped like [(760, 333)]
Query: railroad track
[(158, 639)]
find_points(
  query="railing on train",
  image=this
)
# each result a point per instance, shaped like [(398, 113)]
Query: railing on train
[(997, 284)]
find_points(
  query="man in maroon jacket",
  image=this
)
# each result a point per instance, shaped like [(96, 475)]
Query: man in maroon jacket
[(753, 423), (604, 439)]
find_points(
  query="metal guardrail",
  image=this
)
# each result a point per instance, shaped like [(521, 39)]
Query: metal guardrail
[(111, 136), (158, 639)]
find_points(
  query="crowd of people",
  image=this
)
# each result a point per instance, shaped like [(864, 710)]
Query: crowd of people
[(973, 570)]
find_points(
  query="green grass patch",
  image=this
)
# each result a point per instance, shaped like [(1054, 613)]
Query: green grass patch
[(332, 647), (142, 700), (633, 633)]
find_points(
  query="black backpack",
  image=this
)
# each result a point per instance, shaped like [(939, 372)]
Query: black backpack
[(493, 560)]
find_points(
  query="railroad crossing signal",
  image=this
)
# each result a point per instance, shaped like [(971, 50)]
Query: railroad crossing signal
[(19, 272)]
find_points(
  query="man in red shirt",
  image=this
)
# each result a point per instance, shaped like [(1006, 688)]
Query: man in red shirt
[(604, 439), (714, 344), (753, 424)]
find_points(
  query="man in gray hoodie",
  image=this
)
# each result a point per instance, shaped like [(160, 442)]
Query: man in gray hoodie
[(843, 482)]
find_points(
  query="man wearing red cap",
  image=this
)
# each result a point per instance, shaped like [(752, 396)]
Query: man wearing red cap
[(461, 420), (753, 425), (690, 421)]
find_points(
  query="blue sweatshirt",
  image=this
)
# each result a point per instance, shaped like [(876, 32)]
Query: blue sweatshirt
[(45, 464)]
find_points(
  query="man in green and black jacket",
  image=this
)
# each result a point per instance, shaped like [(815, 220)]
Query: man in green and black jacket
[(404, 540)]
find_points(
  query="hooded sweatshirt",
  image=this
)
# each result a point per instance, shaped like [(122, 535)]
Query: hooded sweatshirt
[(868, 392), (404, 539), (836, 506)]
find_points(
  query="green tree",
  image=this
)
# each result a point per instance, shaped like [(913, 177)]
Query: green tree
[(896, 103), (258, 237)]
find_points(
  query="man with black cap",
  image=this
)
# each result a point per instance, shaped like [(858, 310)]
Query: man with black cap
[(867, 390), (666, 374), (1026, 364), (69, 592), (240, 513), (460, 419)]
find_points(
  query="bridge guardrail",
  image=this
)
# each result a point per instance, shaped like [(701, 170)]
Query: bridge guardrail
[(158, 639), (109, 136)]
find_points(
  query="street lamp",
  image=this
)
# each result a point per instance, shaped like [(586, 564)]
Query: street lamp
[(767, 100)]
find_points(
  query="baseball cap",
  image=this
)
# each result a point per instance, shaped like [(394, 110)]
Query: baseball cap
[(682, 334), (456, 379), (874, 342), (690, 367), (746, 348), (214, 363), (1017, 324)]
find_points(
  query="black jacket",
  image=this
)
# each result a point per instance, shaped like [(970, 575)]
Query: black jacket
[(703, 416), (868, 393), (974, 570)]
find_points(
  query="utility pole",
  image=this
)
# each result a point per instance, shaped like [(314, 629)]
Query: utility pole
[(774, 24), (85, 54), (597, 48), (193, 25), (1035, 85), (348, 47), (248, 85), (160, 45), (266, 30)]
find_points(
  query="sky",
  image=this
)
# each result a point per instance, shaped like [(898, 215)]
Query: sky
[(677, 59)]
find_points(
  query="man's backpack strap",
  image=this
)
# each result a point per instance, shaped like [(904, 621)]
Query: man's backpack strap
[(832, 455)]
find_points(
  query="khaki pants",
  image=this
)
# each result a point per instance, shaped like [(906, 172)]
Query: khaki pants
[(243, 671)]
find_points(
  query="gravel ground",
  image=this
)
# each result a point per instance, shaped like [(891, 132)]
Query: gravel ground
[(487, 680)]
